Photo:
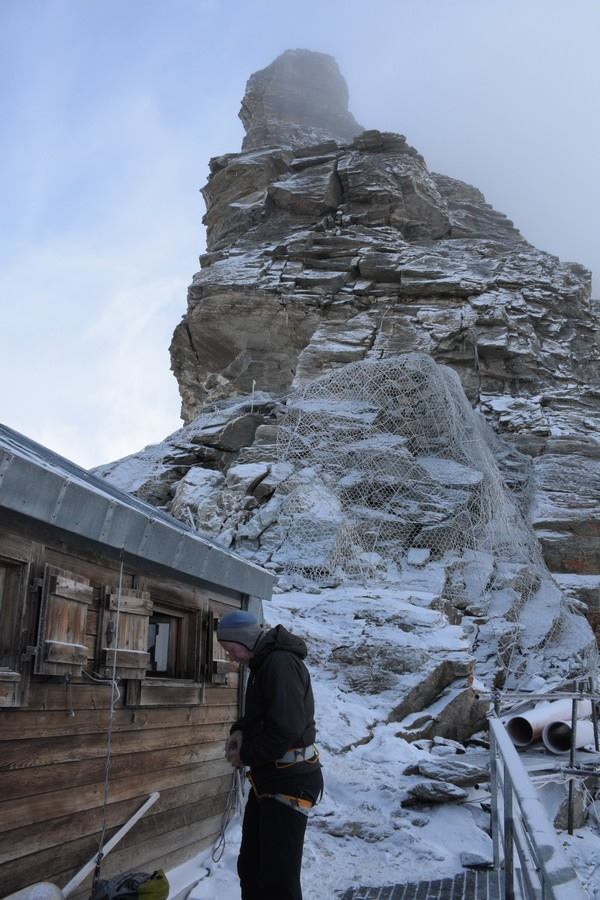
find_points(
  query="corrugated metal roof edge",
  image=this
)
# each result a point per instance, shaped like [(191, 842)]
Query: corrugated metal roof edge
[(38, 483)]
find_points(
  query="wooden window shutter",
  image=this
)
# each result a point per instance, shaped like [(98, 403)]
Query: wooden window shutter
[(127, 638), (206, 650), (199, 647), (61, 646), (217, 660)]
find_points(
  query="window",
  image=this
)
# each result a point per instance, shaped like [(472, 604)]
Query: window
[(173, 643), (174, 669), (162, 642), (13, 592), (162, 636)]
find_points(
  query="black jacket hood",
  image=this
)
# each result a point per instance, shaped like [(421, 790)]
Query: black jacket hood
[(278, 638)]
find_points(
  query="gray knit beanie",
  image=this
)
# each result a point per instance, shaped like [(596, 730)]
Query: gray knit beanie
[(239, 627)]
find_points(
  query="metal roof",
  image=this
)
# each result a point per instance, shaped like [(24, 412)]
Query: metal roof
[(44, 486)]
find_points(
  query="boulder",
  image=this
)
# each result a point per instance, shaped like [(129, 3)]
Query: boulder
[(196, 499), (430, 683), (245, 477), (555, 798), (457, 714), (471, 860), (426, 792), (454, 771)]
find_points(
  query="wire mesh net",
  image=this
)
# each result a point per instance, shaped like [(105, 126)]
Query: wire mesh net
[(393, 468)]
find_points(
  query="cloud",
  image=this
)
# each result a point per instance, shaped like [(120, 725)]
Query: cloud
[(92, 381), (112, 110), (90, 304)]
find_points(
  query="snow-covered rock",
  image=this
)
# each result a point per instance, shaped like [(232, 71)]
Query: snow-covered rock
[(350, 249), (417, 587), (332, 249), (434, 792)]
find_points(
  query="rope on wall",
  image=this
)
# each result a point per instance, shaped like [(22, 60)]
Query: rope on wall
[(113, 701)]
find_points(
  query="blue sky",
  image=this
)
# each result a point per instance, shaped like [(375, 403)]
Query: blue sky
[(111, 110)]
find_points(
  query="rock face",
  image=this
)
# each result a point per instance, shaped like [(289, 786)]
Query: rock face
[(328, 246), (299, 100), (333, 251)]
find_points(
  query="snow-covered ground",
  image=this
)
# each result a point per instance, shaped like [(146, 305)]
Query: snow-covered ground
[(360, 834)]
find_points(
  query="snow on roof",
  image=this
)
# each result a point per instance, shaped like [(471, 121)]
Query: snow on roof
[(44, 486)]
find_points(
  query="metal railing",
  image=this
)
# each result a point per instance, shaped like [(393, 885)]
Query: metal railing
[(527, 852)]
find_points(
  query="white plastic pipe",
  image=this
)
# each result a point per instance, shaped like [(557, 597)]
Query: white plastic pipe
[(528, 726), (557, 735)]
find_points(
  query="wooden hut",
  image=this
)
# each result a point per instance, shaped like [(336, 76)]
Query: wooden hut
[(94, 582)]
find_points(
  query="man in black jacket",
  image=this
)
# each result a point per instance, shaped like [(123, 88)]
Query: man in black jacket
[(275, 738)]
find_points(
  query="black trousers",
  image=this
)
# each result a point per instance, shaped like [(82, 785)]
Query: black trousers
[(271, 852)]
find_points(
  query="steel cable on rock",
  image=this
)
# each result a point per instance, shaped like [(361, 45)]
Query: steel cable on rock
[(388, 457)]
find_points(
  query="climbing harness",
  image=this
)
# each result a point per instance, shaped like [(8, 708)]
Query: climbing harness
[(302, 805), (235, 796), (309, 755)]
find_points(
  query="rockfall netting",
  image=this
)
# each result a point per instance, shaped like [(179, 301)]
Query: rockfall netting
[(393, 468)]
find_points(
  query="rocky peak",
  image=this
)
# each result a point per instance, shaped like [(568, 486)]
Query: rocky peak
[(334, 257), (298, 100)]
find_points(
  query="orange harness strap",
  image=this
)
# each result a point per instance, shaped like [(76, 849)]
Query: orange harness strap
[(294, 801), (298, 803)]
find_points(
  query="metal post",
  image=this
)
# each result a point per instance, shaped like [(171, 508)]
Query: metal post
[(594, 717), (496, 701), (509, 884), (571, 764), (494, 802)]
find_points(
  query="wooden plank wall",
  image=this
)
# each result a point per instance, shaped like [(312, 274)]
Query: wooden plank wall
[(52, 766)]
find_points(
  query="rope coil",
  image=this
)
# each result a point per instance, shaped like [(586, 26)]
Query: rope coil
[(233, 807)]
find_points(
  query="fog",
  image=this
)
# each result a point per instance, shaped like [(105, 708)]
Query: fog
[(111, 111)]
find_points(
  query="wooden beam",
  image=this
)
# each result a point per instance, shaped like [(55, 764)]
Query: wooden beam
[(60, 652), (56, 832), (40, 724), (29, 782), (55, 750), (64, 586), (58, 803)]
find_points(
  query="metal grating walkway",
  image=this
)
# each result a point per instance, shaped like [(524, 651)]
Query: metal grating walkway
[(474, 885)]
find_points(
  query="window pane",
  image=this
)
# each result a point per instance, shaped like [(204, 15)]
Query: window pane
[(161, 647)]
